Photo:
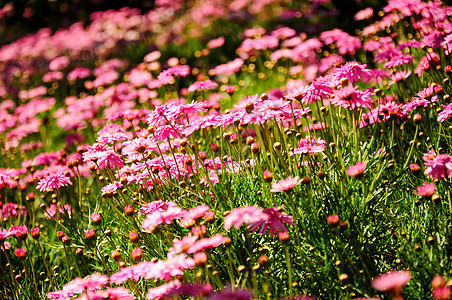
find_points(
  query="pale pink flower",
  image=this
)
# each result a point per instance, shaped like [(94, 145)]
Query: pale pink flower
[(285, 185), (215, 43), (245, 214), (273, 222), (357, 169), (156, 218), (364, 14), (207, 243), (310, 146), (202, 85), (391, 280), (426, 190), (161, 291), (59, 63), (78, 73), (182, 245)]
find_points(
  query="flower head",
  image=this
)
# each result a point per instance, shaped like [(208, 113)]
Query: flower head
[(393, 280), (202, 85), (357, 170), (245, 214), (53, 182), (285, 185), (273, 222)]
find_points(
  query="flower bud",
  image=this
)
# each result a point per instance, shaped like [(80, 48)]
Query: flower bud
[(283, 237), (65, 240), (137, 254), (60, 235), (96, 218), (333, 220), (116, 255), (268, 176), (35, 233), (20, 253), (90, 234), (254, 148), (133, 237), (129, 210)]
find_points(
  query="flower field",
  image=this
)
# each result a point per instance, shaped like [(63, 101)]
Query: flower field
[(218, 149)]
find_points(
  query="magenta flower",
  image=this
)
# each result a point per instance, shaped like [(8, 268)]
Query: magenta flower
[(20, 253), (109, 159), (393, 280), (202, 85), (357, 170), (350, 97), (353, 71), (445, 113), (439, 166), (53, 182), (245, 214), (230, 293), (285, 185), (273, 222)]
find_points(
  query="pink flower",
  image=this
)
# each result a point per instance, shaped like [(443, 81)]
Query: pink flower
[(285, 185), (230, 293), (364, 14), (350, 97), (110, 159), (426, 190), (202, 85), (245, 214), (445, 113), (393, 280), (110, 188), (215, 43), (53, 182), (158, 205), (439, 166), (316, 91), (191, 215), (227, 68), (310, 146), (52, 76), (273, 222), (78, 73), (156, 218), (207, 243), (353, 71), (162, 290), (59, 63), (118, 293), (20, 253), (168, 131), (357, 170), (182, 245)]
